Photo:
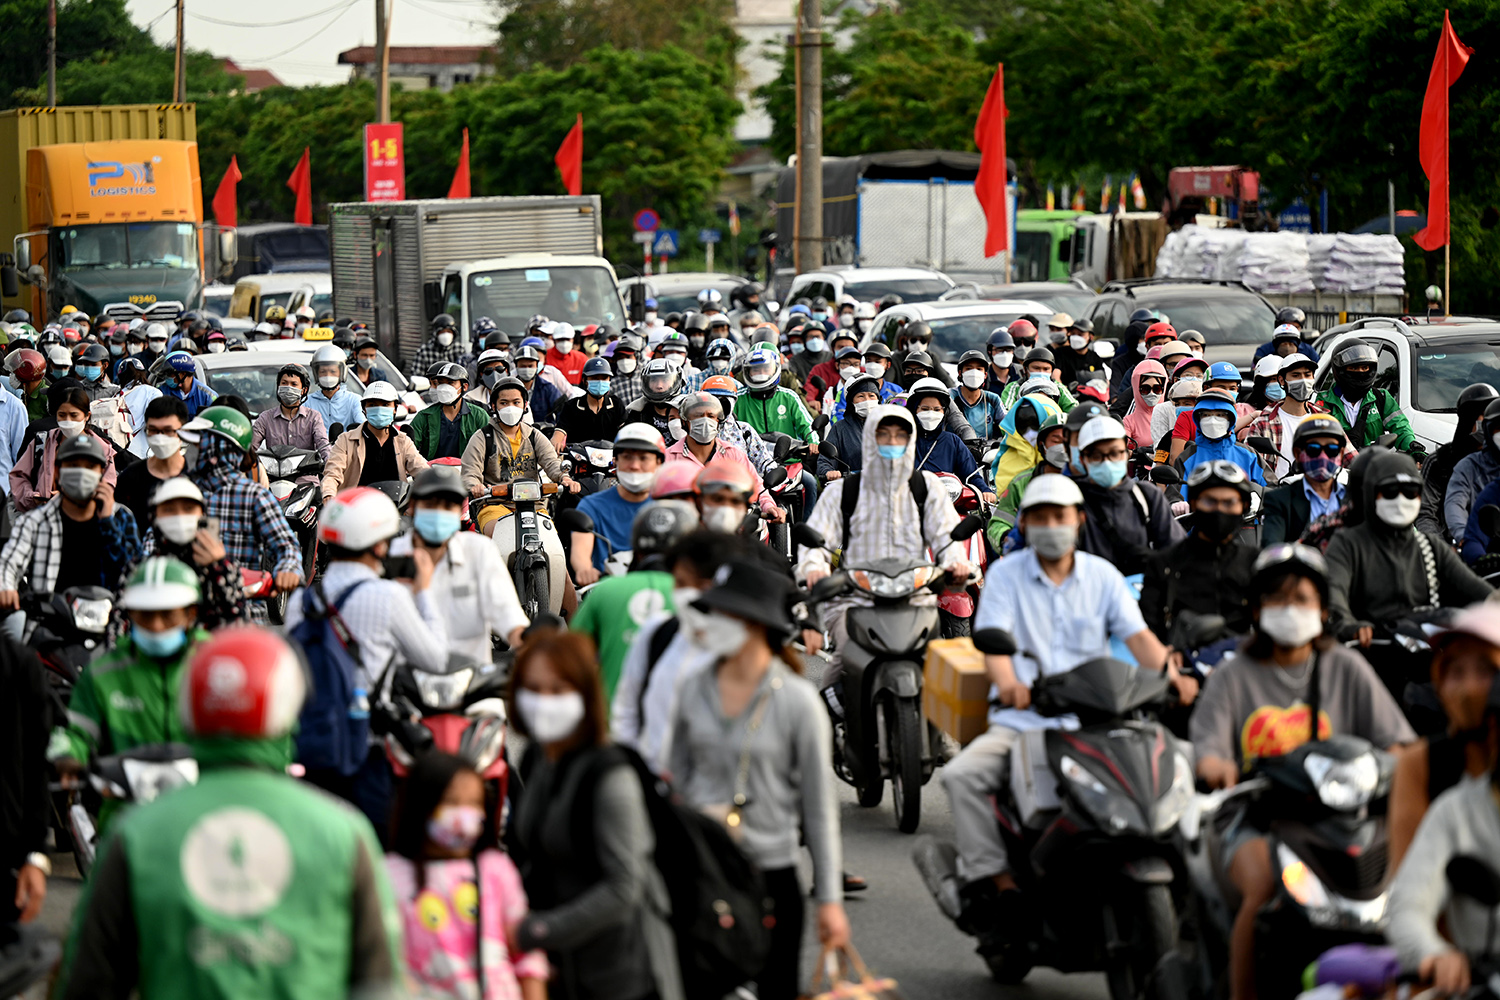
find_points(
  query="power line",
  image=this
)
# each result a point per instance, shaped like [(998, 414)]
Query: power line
[(333, 20), (269, 24), (438, 13), (158, 17)]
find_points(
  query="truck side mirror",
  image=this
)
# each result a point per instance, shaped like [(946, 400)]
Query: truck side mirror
[(229, 251), (638, 303), (432, 297), (36, 275), (10, 279), (23, 254)]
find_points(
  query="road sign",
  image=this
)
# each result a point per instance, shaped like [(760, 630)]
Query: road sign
[(666, 243), (708, 236), (1297, 218), (647, 220), (385, 163), (645, 236)]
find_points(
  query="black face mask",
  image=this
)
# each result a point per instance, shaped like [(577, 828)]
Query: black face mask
[(1354, 384), (1215, 524)]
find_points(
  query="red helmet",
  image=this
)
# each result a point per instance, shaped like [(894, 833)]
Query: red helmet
[(675, 479), (27, 364), (722, 474), (245, 682), (1023, 328), (1159, 330)]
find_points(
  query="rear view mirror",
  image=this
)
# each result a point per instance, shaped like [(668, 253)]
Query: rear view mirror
[(995, 642), (1165, 475), (1262, 445), (10, 280), (774, 478), (811, 537), (965, 529), (1104, 348), (1489, 519), (420, 383), (782, 448), (23, 254), (1473, 877), (820, 423), (575, 520), (829, 449), (229, 251)]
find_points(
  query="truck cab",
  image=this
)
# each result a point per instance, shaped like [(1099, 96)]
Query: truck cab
[(580, 290)]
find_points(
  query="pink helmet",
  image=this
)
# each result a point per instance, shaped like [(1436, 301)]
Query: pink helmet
[(675, 480)]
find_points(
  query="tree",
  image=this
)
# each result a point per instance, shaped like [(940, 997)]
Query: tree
[(85, 28)]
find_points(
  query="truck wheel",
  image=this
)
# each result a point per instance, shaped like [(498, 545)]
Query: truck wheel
[(903, 727)]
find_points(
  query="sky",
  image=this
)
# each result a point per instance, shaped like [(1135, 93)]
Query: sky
[(300, 40)]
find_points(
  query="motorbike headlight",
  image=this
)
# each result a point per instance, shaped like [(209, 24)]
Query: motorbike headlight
[(271, 466), (1080, 776), (600, 457), (443, 691), (921, 577), (526, 489), (1171, 806), (149, 779), (1343, 784), (297, 507), (882, 585), (91, 616)]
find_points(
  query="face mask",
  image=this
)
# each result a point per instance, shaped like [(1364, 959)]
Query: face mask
[(564, 346), (1053, 542), (973, 379), (676, 360), (1196, 381), (674, 429), (435, 526), (625, 366), (510, 415), (1398, 512), (116, 350), (1275, 392), (90, 372), (57, 373), (819, 317), (289, 395), (1214, 427), (598, 387), (571, 295), (1031, 437), (1107, 474), (328, 381), (1075, 456), (695, 339), (725, 520), (1057, 456), (380, 416), (1078, 342), (1290, 626), (846, 320), (876, 368), (863, 325), (215, 348), (550, 717), (797, 348), (444, 339), (849, 372), (455, 828), (719, 366), (365, 364), (158, 345), (636, 482), (70, 428), (891, 452), (650, 316), (930, 419), (134, 348), (163, 446), (445, 395), (1151, 398), (1320, 469), (179, 528), (1216, 524), (526, 372), (159, 645), (703, 429), (1141, 348), (721, 635), (863, 407), (1002, 359), (815, 344)]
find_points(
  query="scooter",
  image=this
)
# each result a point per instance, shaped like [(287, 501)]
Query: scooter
[(790, 454), (956, 604), (883, 734), (529, 543), (140, 774), (1090, 824), (283, 465)]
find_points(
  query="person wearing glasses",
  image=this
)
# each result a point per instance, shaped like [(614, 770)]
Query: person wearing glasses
[(1125, 521), (1280, 419), (1318, 446), (1214, 416)]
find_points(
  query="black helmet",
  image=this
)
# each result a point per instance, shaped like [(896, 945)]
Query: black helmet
[(450, 370), (443, 321), (978, 356), (1355, 384), (234, 342), (656, 528), (1143, 315), (879, 350), (1491, 420), (300, 372), (596, 367), (696, 322), (1278, 562), (1086, 410), (886, 301), (97, 353), (1290, 314), (916, 330), (1318, 425), (365, 342), (81, 446), (1039, 354), (655, 369), (439, 481), (509, 382), (1473, 401), (1083, 325), (919, 358)]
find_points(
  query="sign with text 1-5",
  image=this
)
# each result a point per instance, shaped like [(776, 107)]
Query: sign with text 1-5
[(385, 163)]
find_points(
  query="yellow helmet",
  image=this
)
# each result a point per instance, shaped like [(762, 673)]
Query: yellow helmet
[(275, 314), (68, 309)]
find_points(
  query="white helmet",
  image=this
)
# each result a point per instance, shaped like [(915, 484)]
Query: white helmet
[(59, 357), (864, 310), (156, 330), (380, 391), (1100, 429), (177, 488), (358, 519), (328, 354), (306, 312), (563, 331), (710, 295)]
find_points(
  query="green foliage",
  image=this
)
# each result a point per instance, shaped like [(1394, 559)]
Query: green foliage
[(85, 28)]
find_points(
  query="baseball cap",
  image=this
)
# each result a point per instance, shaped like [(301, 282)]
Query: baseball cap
[(1052, 489), (1100, 429)]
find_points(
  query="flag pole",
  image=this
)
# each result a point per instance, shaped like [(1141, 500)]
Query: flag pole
[(1447, 174)]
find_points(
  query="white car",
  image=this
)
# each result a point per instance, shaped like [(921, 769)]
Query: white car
[(409, 389), (870, 284)]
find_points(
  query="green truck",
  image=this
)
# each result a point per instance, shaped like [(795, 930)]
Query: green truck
[(1044, 244)]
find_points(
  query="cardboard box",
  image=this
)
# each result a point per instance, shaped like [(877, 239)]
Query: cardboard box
[(956, 688)]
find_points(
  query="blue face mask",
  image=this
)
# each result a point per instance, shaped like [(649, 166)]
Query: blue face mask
[(820, 317), (90, 373), (435, 526), (116, 349), (797, 348), (1075, 458), (57, 373), (159, 645), (1107, 474), (571, 295), (380, 416), (891, 452), (1275, 392), (815, 344)]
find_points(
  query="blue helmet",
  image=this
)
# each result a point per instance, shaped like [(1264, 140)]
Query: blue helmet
[(1223, 371), (181, 362), (1001, 338), (536, 342)]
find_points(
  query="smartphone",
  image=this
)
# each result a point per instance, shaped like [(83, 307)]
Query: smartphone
[(211, 523)]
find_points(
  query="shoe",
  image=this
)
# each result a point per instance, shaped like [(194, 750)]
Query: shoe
[(853, 883)]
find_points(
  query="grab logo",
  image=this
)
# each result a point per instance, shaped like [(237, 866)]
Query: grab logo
[(236, 862)]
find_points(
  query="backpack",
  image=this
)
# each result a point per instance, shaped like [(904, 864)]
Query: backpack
[(721, 913), (849, 499), (660, 639), (333, 729)]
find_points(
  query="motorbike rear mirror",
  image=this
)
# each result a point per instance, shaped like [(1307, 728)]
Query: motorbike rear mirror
[(830, 450), (575, 520), (1489, 519), (1262, 445), (1104, 348), (820, 423), (782, 449), (774, 478), (1473, 877), (965, 529), (1386, 440), (995, 642), (803, 534), (1165, 475), (334, 431), (420, 383), (829, 587)]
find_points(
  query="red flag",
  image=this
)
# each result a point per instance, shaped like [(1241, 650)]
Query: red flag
[(226, 205), (1452, 56), (569, 158), (301, 183), (460, 186), (989, 186)]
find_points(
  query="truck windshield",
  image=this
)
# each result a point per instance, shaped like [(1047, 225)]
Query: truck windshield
[(576, 295), (1033, 256), (128, 244)]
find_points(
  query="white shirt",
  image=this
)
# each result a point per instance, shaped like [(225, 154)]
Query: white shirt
[(1289, 422), (133, 405), (473, 592), (646, 723)]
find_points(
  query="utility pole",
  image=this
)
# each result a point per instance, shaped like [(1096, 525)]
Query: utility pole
[(51, 53), (809, 236), (382, 61), (179, 72)]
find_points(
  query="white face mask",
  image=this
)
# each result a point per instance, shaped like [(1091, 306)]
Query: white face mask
[(444, 339), (876, 368), (703, 429), (636, 482), (1151, 398), (179, 528), (720, 635), (675, 429), (846, 320), (78, 484), (650, 316), (1078, 341), (1398, 512), (625, 366), (849, 372), (216, 348), (550, 718), (930, 419), (676, 360), (1291, 626), (510, 415), (863, 325), (163, 445), (973, 379), (71, 428), (1214, 427), (1002, 359), (725, 520), (445, 395), (328, 381), (564, 346), (526, 372), (863, 407)]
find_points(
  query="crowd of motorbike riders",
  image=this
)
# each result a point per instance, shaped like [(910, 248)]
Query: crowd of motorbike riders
[(1292, 576)]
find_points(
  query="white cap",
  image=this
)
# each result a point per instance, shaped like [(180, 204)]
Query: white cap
[(1060, 321), (381, 391), (1053, 489), (563, 331), (177, 488), (1099, 429), (640, 437), (1297, 359), (154, 330), (864, 310), (59, 356), (1267, 366)]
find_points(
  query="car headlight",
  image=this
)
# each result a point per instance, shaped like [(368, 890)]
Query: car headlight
[(1343, 784), (91, 616), (526, 489), (1171, 806), (443, 691)]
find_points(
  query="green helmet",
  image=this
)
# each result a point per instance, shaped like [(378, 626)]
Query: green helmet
[(160, 583), (225, 421)]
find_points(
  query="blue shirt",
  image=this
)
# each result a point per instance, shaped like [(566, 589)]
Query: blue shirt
[(13, 421), (1056, 627), (985, 415), (1317, 505), (613, 516), (343, 408), (200, 397)]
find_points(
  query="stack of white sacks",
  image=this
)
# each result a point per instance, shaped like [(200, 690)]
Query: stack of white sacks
[(1369, 263), (1287, 263)]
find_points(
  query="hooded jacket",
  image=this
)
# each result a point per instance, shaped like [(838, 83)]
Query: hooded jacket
[(1138, 420), (847, 435), (1016, 453), (1224, 449), (1127, 360), (1470, 476), (1199, 575), (1125, 522), (1437, 473), (942, 451), (1376, 573)]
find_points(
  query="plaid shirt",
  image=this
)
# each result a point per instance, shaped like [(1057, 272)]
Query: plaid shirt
[(37, 536), (743, 437), (1267, 423), (627, 388), (251, 524), (431, 353)]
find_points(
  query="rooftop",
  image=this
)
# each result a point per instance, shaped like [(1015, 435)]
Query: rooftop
[(440, 55), (255, 79)]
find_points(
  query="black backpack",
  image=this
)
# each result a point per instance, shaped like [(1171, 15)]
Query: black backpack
[(849, 499)]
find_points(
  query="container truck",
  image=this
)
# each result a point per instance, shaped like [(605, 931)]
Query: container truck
[(103, 206), (397, 264)]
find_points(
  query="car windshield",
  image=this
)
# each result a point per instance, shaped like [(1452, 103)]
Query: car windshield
[(217, 304), (576, 295), (1073, 301), (269, 299), (133, 245), (321, 301), (1442, 375), (952, 337), (255, 383), (683, 300), (1234, 320), (910, 289)]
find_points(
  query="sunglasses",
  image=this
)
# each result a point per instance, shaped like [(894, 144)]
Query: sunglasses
[(1410, 491), (1152, 386), (1312, 450)]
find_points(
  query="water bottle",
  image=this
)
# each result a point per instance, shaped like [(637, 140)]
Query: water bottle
[(359, 708)]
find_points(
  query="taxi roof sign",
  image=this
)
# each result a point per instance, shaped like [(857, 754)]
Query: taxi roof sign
[(318, 333)]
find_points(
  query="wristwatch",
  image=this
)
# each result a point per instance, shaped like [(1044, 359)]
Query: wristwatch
[(40, 861)]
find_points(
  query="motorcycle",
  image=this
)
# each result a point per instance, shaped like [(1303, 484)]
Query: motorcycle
[(529, 543), (956, 604), (283, 465), (1090, 823), (790, 454), (1323, 807), (140, 774), (883, 734)]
